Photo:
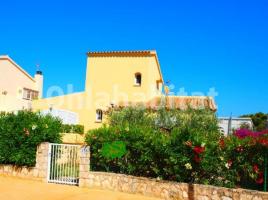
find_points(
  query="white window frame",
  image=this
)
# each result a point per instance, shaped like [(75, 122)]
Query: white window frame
[(29, 94)]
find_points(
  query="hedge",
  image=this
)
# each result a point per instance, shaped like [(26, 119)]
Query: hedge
[(72, 128), (184, 146), (21, 133), (160, 144)]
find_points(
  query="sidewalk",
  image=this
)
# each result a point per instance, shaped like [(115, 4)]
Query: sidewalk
[(20, 189)]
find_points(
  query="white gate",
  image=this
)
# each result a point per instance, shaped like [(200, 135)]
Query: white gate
[(63, 164)]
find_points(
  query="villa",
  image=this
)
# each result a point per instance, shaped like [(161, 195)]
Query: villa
[(116, 78), (113, 79), (17, 88)]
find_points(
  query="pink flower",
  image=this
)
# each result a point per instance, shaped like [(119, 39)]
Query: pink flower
[(242, 133), (198, 149), (259, 180)]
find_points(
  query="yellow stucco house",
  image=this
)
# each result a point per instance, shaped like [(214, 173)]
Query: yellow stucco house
[(117, 78), (17, 87)]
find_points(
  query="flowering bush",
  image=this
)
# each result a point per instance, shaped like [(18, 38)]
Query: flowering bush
[(21, 133), (245, 151), (243, 133), (184, 146), (172, 145)]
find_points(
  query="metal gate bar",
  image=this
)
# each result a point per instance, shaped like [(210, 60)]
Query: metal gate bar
[(63, 164)]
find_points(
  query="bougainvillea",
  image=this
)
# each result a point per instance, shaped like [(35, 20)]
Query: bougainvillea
[(243, 133), (246, 151)]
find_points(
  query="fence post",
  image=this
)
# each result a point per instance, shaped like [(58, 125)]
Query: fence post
[(42, 159), (49, 161), (84, 166), (265, 171)]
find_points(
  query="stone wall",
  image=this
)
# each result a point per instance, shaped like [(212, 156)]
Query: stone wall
[(84, 165), (131, 184), (167, 190), (39, 172)]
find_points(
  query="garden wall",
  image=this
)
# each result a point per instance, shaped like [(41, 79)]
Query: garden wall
[(39, 172), (167, 190), (130, 184)]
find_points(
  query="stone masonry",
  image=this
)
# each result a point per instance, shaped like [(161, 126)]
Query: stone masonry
[(84, 165), (131, 184), (167, 190), (39, 172)]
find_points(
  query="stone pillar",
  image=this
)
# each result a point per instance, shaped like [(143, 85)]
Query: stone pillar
[(84, 166), (42, 158)]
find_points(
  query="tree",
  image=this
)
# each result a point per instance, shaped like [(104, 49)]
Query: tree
[(259, 120)]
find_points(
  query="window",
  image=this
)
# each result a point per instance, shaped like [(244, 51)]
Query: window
[(137, 79), (26, 94), (98, 115), (159, 85), (29, 94)]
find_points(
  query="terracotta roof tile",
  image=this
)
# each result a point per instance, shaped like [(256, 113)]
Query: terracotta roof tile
[(175, 102), (122, 53)]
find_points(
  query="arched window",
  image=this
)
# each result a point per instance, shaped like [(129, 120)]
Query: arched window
[(98, 115), (137, 79)]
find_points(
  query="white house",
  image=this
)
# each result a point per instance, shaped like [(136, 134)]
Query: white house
[(227, 124), (17, 87)]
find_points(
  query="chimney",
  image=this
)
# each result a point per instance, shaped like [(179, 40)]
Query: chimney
[(38, 77)]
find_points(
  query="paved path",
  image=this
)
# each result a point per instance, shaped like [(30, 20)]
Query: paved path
[(20, 189)]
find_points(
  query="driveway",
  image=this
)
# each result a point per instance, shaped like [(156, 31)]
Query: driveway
[(20, 189)]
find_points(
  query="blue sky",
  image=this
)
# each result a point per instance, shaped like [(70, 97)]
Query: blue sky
[(200, 44)]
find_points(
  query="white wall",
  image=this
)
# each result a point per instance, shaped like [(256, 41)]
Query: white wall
[(66, 116), (235, 123), (12, 81)]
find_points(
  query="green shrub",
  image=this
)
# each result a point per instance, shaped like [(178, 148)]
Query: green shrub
[(184, 146), (140, 154), (21, 133), (78, 129), (259, 120), (245, 152), (173, 145), (69, 128), (66, 128)]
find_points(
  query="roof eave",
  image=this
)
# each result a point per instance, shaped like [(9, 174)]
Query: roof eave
[(17, 66)]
